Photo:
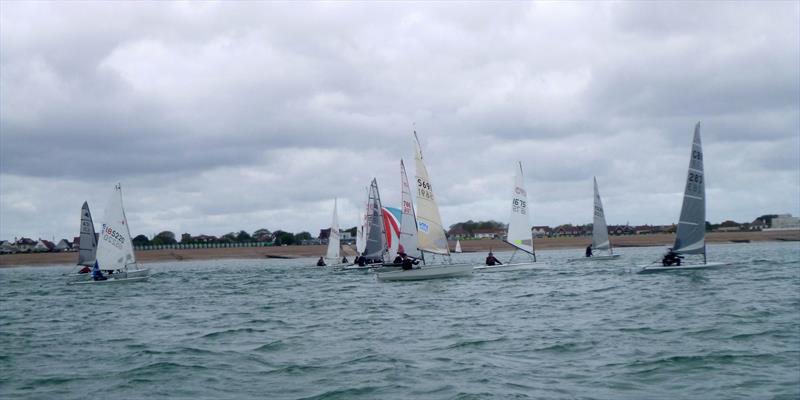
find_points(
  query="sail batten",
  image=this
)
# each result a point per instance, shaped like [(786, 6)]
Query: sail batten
[(690, 238)]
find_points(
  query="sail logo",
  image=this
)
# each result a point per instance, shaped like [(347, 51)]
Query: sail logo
[(520, 191), (423, 227)]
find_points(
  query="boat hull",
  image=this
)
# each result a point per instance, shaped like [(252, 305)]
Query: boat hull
[(649, 269), (134, 273), (446, 271), (111, 280), (507, 267), (596, 258)]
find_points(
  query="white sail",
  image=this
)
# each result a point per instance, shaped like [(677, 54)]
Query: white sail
[(600, 239), (361, 240), (430, 232), (334, 235), (458, 247), (408, 221), (115, 249), (690, 238), (519, 225), (88, 240)]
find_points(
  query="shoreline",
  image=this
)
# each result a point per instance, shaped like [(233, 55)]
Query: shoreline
[(468, 246)]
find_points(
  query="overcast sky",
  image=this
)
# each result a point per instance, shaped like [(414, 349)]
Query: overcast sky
[(217, 117)]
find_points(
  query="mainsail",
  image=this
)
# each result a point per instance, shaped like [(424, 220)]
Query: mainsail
[(458, 247), (361, 240), (599, 229), (115, 249), (691, 226), (333, 236), (408, 222), (88, 239), (375, 239), (430, 233), (519, 226)]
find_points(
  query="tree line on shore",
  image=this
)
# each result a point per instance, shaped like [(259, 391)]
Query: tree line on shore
[(281, 237)]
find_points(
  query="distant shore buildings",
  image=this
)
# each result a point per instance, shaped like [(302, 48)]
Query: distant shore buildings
[(462, 231)]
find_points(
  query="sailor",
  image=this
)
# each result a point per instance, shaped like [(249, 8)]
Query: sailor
[(97, 274), (361, 261), (85, 270), (492, 260), (671, 258), (344, 260), (408, 262), (589, 251), (399, 258), (320, 262)]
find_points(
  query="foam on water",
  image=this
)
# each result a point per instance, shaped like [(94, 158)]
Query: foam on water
[(275, 329)]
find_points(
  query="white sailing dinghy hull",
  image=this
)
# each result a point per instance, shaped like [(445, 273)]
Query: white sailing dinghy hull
[(649, 269), (445, 271), (112, 280), (596, 258), (508, 267)]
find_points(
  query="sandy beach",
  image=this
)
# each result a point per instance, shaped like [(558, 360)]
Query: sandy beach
[(69, 258)]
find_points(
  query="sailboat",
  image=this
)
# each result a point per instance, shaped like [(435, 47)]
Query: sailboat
[(88, 246), (519, 234), (374, 233), (458, 247), (600, 240), (431, 237), (691, 236), (407, 240), (333, 253), (115, 249)]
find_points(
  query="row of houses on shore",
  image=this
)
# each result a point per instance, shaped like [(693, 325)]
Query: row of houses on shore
[(28, 245), (767, 223)]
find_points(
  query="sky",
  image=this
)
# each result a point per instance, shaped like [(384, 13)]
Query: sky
[(220, 117)]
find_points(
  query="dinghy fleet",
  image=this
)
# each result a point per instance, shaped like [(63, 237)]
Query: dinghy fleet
[(410, 243)]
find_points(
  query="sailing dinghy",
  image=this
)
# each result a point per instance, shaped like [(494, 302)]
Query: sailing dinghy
[(690, 239), (519, 234), (600, 240), (458, 247), (333, 255), (115, 248), (431, 237), (407, 241), (374, 235)]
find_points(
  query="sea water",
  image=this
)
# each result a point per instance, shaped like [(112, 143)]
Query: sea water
[(281, 329)]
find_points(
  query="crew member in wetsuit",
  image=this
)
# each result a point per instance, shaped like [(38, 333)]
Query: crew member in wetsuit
[(361, 261), (85, 270), (671, 258), (97, 275), (408, 262), (492, 260), (589, 251), (344, 260), (320, 262), (399, 258)]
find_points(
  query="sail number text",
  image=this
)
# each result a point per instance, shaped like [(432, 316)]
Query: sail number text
[(424, 189), (519, 206), (112, 236)]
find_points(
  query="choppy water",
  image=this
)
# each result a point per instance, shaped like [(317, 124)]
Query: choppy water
[(270, 329)]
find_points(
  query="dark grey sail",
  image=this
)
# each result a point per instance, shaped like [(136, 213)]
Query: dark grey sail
[(88, 239), (692, 224), (376, 239)]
